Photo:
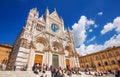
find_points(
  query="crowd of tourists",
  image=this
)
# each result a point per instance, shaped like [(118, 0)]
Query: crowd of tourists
[(60, 72), (98, 73), (55, 71)]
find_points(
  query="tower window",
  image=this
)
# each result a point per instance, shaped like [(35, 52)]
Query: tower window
[(97, 58), (99, 64), (113, 62), (118, 61), (109, 54), (117, 53), (106, 63), (103, 56)]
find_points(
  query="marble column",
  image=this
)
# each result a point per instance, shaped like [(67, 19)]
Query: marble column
[(49, 59), (31, 59), (64, 62)]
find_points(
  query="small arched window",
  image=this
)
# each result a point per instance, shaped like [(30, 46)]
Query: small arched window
[(103, 56), (99, 64), (106, 63), (113, 61), (81, 61), (97, 58), (109, 54), (118, 61), (117, 53), (91, 58), (87, 66)]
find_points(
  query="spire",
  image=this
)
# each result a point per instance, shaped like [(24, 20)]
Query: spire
[(33, 13), (46, 14), (47, 11), (55, 12), (55, 9), (62, 20), (69, 29)]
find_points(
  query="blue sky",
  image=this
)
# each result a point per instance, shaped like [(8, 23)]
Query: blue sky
[(95, 23)]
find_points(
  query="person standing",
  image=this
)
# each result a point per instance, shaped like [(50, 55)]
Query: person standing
[(1, 67), (14, 67), (117, 73)]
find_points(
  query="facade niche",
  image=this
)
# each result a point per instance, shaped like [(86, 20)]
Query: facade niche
[(117, 53), (113, 62), (99, 64), (97, 58), (103, 56), (106, 63), (109, 54)]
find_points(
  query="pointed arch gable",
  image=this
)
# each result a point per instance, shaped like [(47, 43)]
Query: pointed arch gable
[(57, 45), (42, 40), (68, 50)]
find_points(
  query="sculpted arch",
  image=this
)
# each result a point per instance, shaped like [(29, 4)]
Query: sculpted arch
[(56, 46), (68, 50), (41, 43)]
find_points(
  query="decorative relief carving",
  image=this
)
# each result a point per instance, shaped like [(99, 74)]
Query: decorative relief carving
[(39, 46), (39, 27), (57, 47), (25, 44)]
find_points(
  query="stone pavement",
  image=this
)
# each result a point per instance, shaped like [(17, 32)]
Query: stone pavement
[(31, 74)]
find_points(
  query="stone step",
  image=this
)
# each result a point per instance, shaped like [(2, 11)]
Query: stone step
[(31, 74), (26, 74), (17, 74)]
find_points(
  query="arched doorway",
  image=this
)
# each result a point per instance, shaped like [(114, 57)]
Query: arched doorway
[(68, 52), (67, 63), (38, 59), (55, 60)]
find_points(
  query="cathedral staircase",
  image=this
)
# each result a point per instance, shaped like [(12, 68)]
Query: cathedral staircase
[(26, 74), (19, 74)]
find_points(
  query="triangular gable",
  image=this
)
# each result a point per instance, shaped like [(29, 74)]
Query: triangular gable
[(55, 16), (42, 34)]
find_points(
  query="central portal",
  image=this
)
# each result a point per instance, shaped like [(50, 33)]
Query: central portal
[(55, 60), (38, 59)]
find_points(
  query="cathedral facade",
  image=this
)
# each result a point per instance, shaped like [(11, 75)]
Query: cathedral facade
[(44, 40)]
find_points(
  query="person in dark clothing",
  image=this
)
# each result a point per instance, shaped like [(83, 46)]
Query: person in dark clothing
[(14, 67), (53, 72), (57, 73), (117, 73)]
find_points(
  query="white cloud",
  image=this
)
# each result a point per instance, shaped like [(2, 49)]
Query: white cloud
[(110, 26), (100, 13), (83, 50), (116, 23), (93, 38), (89, 22), (107, 27), (80, 34), (95, 26), (93, 48), (79, 29), (113, 41), (90, 30)]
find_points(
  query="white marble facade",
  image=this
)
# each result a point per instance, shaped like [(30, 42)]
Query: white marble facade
[(45, 36)]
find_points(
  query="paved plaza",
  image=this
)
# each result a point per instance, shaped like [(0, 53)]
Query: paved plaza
[(31, 74)]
